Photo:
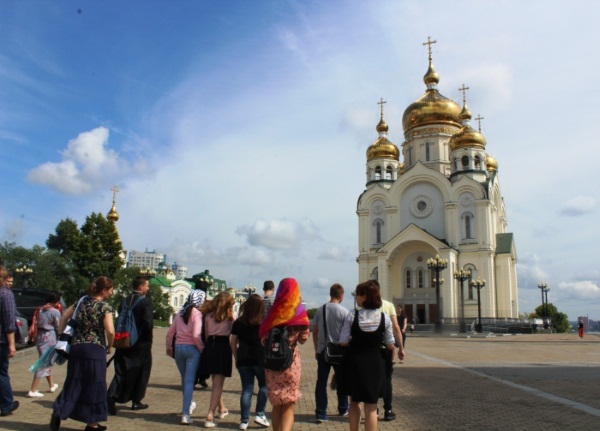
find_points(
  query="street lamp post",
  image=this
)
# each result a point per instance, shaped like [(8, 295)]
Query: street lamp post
[(461, 275), (147, 272), (24, 273), (478, 284), (548, 318), (542, 287), (437, 264)]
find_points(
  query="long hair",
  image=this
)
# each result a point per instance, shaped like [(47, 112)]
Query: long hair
[(101, 284), (221, 306), (252, 310)]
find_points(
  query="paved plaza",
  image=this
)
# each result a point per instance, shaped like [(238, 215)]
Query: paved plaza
[(517, 382)]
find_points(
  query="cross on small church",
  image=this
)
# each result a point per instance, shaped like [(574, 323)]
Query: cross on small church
[(429, 43), (464, 89), (114, 190), (381, 103), (479, 118)]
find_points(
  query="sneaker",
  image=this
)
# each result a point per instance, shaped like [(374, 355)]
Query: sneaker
[(14, 407), (54, 387), (244, 425), (186, 420), (261, 419), (209, 424), (345, 413), (389, 415), (34, 394), (322, 419), (192, 407)]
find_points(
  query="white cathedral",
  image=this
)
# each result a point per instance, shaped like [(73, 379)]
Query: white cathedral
[(442, 201)]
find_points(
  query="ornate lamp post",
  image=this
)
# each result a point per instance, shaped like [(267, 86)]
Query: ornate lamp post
[(437, 264), (548, 318), (249, 289), (478, 284), (24, 273), (147, 272), (461, 275), (543, 286)]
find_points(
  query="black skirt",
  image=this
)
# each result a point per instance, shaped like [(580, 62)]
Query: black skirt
[(216, 357)]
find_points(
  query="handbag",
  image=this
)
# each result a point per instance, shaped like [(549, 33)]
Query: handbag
[(63, 345), (334, 353)]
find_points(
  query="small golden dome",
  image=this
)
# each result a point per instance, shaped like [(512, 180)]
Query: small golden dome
[(113, 215), (491, 164), (466, 137), (383, 149), (382, 127)]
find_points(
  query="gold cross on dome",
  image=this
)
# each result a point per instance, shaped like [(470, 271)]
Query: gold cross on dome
[(429, 43), (479, 118), (114, 190), (464, 89), (381, 103)]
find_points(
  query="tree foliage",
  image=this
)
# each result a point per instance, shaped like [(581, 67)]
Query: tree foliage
[(558, 321)]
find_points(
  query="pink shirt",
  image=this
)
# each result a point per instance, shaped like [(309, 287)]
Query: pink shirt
[(217, 328), (186, 334)]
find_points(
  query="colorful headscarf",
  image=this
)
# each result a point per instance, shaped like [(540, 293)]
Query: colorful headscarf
[(287, 308), (194, 299)]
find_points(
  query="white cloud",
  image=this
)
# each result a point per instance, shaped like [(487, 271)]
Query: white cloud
[(579, 205), (86, 165), (585, 289), (278, 234), (334, 253)]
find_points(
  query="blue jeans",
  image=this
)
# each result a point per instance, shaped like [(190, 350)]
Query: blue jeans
[(6, 394), (323, 369), (247, 375), (187, 358)]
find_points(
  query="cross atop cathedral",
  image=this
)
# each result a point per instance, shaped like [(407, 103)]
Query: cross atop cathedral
[(381, 103), (114, 190), (429, 43), (464, 89), (479, 118)]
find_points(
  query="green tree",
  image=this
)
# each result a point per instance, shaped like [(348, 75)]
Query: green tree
[(160, 302), (558, 321)]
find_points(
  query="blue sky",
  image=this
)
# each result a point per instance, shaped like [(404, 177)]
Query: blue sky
[(236, 130)]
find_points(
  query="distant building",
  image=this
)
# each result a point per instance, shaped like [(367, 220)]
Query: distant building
[(177, 290), (180, 271), (145, 259)]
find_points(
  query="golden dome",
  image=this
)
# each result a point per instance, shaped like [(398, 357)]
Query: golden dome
[(466, 137), (113, 215), (382, 148), (491, 164), (432, 107)]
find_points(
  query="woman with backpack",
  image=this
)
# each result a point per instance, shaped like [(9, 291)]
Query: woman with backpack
[(216, 358), (186, 329), (288, 313), (249, 359), (43, 331)]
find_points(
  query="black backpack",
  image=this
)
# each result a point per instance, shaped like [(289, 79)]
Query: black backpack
[(278, 353)]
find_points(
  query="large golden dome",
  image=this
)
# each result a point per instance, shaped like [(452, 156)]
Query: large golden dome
[(466, 137), (382, 148), (432, 107)]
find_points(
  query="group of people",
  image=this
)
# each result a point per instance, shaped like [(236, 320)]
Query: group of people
[(206, 339)]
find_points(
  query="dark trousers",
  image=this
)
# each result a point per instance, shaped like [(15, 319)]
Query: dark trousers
[(6, 394), (132, 373), (323, 369), (389, 369)]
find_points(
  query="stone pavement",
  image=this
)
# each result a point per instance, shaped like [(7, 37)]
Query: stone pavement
[(519, 382)]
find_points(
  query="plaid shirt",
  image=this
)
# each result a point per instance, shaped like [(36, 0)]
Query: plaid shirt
[(8, 314)]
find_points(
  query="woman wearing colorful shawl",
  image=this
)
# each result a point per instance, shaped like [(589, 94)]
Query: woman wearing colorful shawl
[(284, 386), (186, 328)]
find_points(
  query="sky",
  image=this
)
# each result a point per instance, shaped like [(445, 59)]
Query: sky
[(236, 130)]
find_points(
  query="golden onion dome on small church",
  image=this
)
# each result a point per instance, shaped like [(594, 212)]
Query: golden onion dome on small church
[(466, 137), (382, 148), (491, 164), (113, 215)]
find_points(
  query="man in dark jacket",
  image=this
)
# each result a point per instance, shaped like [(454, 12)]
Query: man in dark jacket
[(8, 329), (133, 365)]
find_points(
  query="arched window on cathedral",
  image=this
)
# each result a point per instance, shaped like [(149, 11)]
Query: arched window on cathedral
[(465, 162), (378, 223), (427, 151), (421, 278), (378, 173), (409, 151), (408, 279), (470, 290), (467, 226), (175, 302), (388, 173), (477, 160), (431, 278), (181, 300)]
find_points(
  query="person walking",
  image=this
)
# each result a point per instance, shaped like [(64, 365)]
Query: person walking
[(284, 386), (269, 290), (44, 330), (328, 320), (402, 323), (249, 359), (186, 330), (133, 365), (83, 397), (365, 332), (216, 357), (580, 328), (8, 328)]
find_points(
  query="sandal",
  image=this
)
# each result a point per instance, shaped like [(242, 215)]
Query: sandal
[(222, 413)]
